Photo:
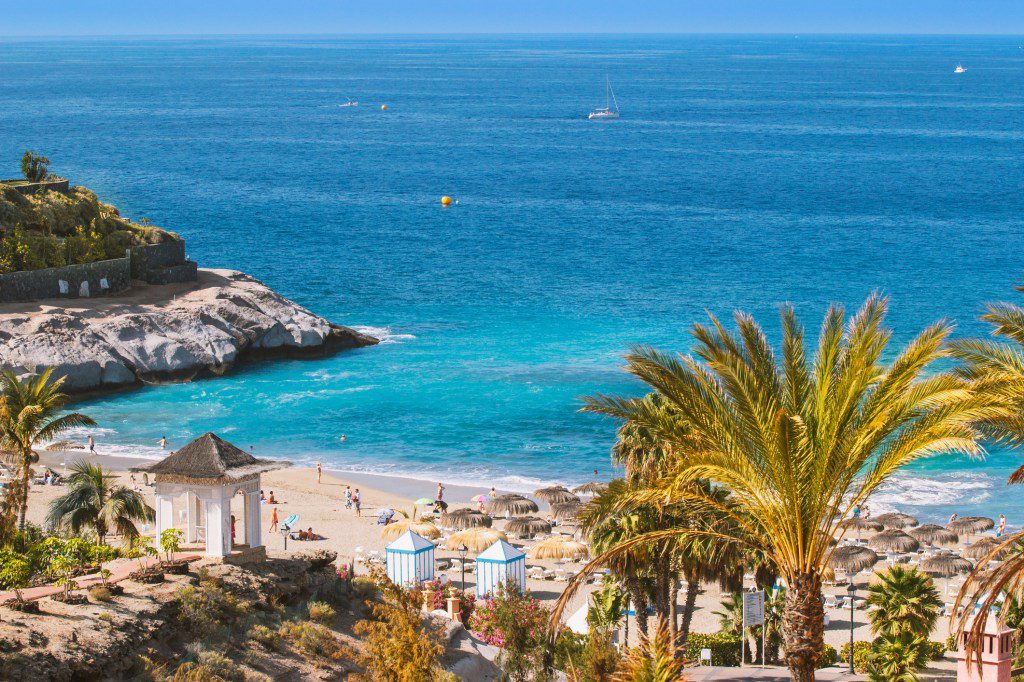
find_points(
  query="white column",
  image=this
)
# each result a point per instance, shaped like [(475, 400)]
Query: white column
[(217, 521), (191, 517), (164, 513), (253, 522)]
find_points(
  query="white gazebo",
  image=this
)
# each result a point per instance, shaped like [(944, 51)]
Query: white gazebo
[(410, 559), (497, 564), (209, 472)]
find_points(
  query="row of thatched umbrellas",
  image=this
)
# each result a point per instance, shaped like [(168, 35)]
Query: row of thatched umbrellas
[(965, 525)]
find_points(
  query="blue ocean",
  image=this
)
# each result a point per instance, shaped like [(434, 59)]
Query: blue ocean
[(744, 172)]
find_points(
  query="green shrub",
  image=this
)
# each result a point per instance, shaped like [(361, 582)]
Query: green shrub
[(829, 656), (22, 249), (265, 636), (313, 639), (952, 644), (205, 608), (861, 651), (936, 651), (725, 647), (99, 593), (221, 666), (322, 612), (364, 587)]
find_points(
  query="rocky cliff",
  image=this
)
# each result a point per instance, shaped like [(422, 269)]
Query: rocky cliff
[(174, 332)]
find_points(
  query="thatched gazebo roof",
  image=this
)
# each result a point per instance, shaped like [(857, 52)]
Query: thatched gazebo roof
[(860, 524), (558, 548), (946, 564), (853, 558), (512, 503), (982, 548), (476, 540), (461, 519), (566, 511), (209, 459), (555, 494), (971, 524), (592, 488), (527, 526), (425, 529), (930, 534), (896, 520), (894, 539)]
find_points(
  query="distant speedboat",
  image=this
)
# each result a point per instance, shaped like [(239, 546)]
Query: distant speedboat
[(606, 111), (959, 69), (349, 103)]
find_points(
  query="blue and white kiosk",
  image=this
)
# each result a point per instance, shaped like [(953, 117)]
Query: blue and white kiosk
[(410, 559), (497, 564)]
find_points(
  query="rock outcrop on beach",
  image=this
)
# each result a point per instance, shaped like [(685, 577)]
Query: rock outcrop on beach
[(174, 332)]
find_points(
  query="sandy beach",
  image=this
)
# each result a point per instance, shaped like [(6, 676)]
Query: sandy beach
[(321, 507)]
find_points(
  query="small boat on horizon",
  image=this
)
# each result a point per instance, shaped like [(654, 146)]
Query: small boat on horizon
[(959, 69), (349, 103), (606, 112)]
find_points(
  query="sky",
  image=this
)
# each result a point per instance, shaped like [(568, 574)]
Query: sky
[(204, 17)]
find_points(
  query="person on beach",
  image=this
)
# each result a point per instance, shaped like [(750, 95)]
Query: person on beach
[(856, 512), (263, 498), (273, 519), (343, 438), (951, 519), (357, 500), (440, 492), (1001, 528), (270, 498), (492, 494), (92, 444), (348, 497), (163, 442), (319, 472)]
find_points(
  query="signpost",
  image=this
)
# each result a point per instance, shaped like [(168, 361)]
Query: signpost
[(753, 615)]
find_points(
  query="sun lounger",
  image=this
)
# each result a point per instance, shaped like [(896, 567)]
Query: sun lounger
[(830, 602)]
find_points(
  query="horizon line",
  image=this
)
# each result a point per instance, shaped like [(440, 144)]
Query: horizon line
[(364, 34)]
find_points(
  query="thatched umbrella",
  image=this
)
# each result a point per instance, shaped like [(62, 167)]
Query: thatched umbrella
[(896, 520), (461, 519), (555, 494), (476, 540), (592, 488), (527, 526), (558, 548), (894, 540), (969, 525), (566, 511), (391, 531), (853, 558), (982, 548), (945, 565), (859, 525), (512, 504), (937, 536)]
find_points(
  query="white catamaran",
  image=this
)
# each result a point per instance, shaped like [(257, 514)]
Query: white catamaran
[(606, 111)]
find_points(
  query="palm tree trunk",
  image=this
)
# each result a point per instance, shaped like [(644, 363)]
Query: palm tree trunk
[(639, 599), (689, 605), (803, 626), (26, 476), (673, 599)]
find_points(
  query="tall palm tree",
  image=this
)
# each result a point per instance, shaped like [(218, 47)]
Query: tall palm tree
[(905, 600), (28, 418), (797, 440), (96, 503)]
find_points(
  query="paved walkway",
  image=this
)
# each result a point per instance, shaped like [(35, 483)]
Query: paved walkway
[(939, 672), (119, 570)]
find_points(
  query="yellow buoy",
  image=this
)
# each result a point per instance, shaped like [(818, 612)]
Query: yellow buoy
[(383, 107), (446, 201)]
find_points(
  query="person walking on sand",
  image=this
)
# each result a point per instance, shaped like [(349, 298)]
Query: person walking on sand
[(357, 500), (1001, 528), (319, 472), (348, 497), (163, 442), (273, 519), (92, 444), (440, 492)]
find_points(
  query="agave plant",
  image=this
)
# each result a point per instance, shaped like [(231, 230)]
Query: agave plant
[(797, 438)]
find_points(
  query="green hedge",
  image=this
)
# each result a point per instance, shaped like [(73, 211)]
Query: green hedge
[(725, 647), (861, 652), (829, 656)]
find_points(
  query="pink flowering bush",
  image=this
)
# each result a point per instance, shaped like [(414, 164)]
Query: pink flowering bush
[(517, 623)]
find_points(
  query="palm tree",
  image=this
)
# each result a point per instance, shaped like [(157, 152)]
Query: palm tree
[(905, 601), (96, 503), (897, 658), (797, 440), (28, 418)]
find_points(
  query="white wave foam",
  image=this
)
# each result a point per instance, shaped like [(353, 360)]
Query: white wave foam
[(385, 334), (941, 490)]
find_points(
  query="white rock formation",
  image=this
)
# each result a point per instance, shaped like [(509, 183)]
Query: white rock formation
[(174, 332)]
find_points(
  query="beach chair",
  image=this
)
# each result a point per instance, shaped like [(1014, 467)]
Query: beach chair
[(830, 602)]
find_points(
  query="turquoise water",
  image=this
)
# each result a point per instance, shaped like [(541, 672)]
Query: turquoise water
[(744, 172)]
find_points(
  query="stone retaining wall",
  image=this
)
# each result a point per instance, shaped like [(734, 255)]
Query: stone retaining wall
[(85, 279), (156, 256), (33, 187)]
